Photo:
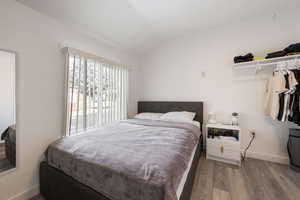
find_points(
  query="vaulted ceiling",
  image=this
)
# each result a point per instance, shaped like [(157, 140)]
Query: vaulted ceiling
[(139, 25)]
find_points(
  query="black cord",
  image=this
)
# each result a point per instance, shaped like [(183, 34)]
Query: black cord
[(245, 151)]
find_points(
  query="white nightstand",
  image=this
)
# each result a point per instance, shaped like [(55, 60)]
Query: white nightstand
[(223, 143)]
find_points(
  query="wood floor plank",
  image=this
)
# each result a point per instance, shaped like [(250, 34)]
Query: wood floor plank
[(289, 187), (203, 186), (289, 173), (237, 185), (220, 194), (252, 181), (221, 177), (270, 185)]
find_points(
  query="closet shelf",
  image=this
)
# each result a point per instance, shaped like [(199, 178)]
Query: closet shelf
[(266, 62)]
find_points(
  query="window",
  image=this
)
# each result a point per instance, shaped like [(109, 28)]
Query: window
[(97, 93)]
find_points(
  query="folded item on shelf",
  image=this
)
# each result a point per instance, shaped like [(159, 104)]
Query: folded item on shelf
[(276, 54), (246, 58), (293, 54), (293, 48)]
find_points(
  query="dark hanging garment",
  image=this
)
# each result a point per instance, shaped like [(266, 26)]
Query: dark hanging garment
[(295, 117), (280, 116), (292, 100), (296, 113), (287, 83), (281, 106)]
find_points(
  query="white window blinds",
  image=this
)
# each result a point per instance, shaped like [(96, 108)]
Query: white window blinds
[(97, 92)]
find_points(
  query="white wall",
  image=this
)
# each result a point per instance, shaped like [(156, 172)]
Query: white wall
[(7, 99), (40, 83), (174, 72)]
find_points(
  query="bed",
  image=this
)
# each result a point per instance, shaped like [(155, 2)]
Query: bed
[(162, 166)]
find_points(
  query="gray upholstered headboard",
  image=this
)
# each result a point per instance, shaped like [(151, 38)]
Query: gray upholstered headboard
[(168, 106)]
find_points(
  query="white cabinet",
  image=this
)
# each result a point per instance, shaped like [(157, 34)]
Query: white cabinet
[(223, 143)]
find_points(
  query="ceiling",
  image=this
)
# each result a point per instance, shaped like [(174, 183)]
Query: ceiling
[(139, 25)]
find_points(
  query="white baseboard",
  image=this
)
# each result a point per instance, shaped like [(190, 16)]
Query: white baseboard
[(268, 157), (27, 194)]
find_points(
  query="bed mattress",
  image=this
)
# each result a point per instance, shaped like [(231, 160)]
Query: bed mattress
[(136, 159)]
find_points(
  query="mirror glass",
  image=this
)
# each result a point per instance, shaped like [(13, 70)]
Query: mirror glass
[(7, 111)]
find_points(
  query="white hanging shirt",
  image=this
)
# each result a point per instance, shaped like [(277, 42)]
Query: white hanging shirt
[(287, 96), (276, 85)]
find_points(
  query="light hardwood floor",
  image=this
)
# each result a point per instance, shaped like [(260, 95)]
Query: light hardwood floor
[(254, 180)]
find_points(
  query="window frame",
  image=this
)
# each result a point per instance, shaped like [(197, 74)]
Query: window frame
[(122, 79)]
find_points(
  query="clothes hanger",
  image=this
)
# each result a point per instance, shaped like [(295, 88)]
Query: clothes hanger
[(283, 68), (297, 64)]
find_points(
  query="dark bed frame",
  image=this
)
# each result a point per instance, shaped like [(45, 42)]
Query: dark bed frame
[(56, 185)]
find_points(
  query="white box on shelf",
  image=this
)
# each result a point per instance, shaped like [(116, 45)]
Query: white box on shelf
[(223, 143)]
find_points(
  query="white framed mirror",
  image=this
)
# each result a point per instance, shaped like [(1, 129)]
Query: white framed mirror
[(8, 133)]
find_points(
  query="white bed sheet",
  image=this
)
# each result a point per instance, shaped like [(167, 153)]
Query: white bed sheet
[(184, 177)]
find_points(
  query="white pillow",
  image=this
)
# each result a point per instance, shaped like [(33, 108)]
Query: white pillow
[(178, 116), (145, 115), (196, 123)]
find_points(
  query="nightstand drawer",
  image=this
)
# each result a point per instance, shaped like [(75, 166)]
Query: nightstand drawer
[(232, 145), (214, 150), (222, 152)]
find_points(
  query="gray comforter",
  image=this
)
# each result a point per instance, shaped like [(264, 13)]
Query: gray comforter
[(132, 160)]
